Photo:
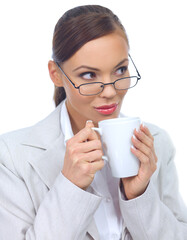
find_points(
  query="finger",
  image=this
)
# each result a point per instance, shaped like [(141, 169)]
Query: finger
[(96, 166), (89, 146), (147, 140), (141, 156), (92, 156), (141, 146), (146, 168), (93, 135), (86, 134), (145, 129), (146, 162)]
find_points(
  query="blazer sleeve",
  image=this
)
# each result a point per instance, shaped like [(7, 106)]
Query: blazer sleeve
[(65, 212), (160, 212)]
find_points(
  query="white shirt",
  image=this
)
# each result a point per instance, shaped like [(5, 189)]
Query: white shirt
[(108, 217)]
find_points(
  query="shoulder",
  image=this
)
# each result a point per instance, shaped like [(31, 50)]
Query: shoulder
[(17, 145), (164, 149), (10, 144), (47, 125), (162, 138), (14, 136)]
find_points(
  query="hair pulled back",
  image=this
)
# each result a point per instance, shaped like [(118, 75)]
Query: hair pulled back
[(77, 27)]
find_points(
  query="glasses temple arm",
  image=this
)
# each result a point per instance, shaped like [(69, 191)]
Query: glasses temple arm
[(139, 76), (65, 74)]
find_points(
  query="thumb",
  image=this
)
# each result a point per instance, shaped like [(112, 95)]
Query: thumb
[(89, 124)]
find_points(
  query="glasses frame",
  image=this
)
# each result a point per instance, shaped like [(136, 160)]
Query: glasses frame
[(103, 84)]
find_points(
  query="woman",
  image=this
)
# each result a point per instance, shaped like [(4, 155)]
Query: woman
[(54, 183)]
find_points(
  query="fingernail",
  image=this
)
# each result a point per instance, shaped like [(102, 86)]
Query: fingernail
[(89, 121), (133, 136), (133, 147), (104, 158), (137, 129)]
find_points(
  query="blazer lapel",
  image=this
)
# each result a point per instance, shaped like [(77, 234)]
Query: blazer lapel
[(48, 138), (49, 164), (92, 230)]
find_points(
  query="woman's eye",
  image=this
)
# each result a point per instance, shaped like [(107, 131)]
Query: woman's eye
[(87, 75), (121, 71)]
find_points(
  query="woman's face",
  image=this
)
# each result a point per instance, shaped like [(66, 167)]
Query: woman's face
[(101, 60)]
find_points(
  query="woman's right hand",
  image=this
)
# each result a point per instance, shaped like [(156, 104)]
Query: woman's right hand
[(83, 157)]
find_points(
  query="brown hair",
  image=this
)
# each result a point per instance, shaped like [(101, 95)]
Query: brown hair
[(77, 27)]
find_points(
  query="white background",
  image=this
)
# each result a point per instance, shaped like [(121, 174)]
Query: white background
[(158, 38)]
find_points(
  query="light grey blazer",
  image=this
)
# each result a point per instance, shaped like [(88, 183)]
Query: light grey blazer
[(38, 203)]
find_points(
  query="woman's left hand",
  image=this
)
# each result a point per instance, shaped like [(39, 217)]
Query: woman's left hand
[(143, 149)]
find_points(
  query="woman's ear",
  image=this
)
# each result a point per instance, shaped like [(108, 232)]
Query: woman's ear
[(55, 74)]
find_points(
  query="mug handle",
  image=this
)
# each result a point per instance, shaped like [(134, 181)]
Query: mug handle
[(100, 132), (97, 130)]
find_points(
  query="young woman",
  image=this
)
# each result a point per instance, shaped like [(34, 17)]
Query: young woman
[(54, 183)]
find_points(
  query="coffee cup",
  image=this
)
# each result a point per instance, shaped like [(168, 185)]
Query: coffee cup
[(116, 136)]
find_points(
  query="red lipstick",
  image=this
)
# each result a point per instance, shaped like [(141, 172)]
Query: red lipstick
[(107, 109)]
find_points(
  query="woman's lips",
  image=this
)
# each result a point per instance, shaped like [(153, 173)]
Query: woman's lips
[(107, 109)]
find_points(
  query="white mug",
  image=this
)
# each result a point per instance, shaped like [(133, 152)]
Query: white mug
[(116, 142)]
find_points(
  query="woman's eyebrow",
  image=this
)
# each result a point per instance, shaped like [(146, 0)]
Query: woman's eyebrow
[(96, 69), (84, 66), (123, 61)]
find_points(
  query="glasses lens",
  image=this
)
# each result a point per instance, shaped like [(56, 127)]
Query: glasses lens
[(126, 83), (91, 88)]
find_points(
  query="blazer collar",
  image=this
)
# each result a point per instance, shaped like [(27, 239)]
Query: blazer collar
[(44, 133)]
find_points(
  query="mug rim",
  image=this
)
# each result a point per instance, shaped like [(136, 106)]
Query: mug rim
[(119, 120)]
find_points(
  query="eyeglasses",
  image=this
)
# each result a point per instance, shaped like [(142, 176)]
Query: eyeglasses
[(94, 88)]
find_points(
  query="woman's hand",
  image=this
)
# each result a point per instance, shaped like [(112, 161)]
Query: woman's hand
[(83, 157), (143, 149)]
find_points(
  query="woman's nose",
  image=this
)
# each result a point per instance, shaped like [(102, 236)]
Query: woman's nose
[(109, 91)]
